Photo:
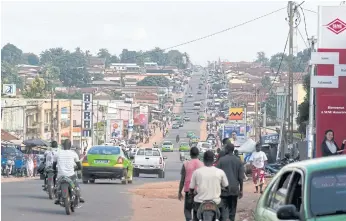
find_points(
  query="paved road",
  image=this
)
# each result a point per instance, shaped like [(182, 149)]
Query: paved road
[(106, 200)]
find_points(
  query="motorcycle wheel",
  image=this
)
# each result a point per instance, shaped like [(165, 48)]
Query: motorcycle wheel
[(50, 191), (7, 172), (67, 204)]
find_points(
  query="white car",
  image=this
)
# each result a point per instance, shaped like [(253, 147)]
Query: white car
[(204, 146), (149, 161)]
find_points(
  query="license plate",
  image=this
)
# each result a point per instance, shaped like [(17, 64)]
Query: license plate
[(101, 161), (209, 206)]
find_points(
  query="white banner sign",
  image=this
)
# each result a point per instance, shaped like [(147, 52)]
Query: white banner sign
[(340, 70), (115, 129), (332, 27), (324, 82), (324, 58)]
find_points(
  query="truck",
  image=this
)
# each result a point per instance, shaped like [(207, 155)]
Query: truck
[(149, 161)]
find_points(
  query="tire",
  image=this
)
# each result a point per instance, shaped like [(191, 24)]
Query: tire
[(130, 179), (85, 180), (50, 192), (161, 174), (92, 181), (124, 182), (67, 204), (7, 172), (135, 173)]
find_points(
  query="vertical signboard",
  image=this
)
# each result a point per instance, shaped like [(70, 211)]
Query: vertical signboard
[(87, 115), (331, 102), (116, 128)]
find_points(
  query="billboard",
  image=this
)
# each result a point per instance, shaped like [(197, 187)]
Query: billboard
[(239, 129), (236, 113), (116, 128), (9, 90), (65, 122), (331, 102)]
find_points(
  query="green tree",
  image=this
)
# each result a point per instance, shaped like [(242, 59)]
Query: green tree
[(30, 59), (261, 58), (266, 82), (158, 81), (50, 73), (303, 108), (104, 53), (275, 61), (60, 95), (37, 89), (270, 103), (9, 75), (127, 56), (11, 54)]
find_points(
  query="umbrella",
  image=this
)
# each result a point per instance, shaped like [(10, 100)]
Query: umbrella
[(36, 142)]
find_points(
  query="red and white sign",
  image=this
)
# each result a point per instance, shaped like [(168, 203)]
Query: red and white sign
[(331, 102)]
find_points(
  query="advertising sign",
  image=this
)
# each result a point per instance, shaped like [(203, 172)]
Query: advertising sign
[(116, 128), (236, 113), (87, 115), (9, 90), (331, 102), (65, 122)]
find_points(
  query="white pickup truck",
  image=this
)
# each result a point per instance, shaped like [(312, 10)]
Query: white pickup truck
[(149, 161)]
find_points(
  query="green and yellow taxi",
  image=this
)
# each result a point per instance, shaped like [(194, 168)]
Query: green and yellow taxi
[(184, 147), (179, 100), (167, 146), (175, 126), (107, 162), (190, 134), (177, 118), (201, 117), (310, 190), (194, 139)]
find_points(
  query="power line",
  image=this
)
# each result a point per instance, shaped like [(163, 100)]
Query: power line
[(302, 37), (308, 10), (304, 19), (282, 58), (212, 34)]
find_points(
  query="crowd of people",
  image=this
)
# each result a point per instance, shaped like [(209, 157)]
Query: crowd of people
[(220, 181)]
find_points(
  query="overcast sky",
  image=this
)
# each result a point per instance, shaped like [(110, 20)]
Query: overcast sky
[(36, 26)]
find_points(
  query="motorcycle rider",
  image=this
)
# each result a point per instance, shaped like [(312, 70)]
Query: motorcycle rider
[(66, 160), (48, 161), (209, 181)]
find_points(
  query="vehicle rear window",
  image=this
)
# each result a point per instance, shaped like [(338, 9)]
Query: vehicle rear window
[(205, 145), (184, 144), (104, 150), (167, 143), (148, 152), (324, 185)]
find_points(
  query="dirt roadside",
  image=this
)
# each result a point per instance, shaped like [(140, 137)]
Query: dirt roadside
[(17, 179), (158, 201)]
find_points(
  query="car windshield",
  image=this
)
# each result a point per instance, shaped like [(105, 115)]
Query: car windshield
[(104, 150), (167, 143), (330, 184), (184, 144)]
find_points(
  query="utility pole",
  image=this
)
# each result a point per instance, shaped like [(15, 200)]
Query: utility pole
[(290, 73), (97, 123), (256, 114), (24, 123), (51, 114), (265, 118), (311, 125)]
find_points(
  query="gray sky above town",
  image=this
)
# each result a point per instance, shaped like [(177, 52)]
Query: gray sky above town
[(36, 26)]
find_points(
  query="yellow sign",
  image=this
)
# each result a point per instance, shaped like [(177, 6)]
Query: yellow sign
[(236, 113)]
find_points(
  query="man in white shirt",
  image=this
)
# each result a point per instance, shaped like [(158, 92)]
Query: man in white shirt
[(207, 182), (65, 161), (258, 160)]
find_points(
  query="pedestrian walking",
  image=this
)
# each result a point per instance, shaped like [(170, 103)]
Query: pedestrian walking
[(30, 166), (258, 160), (234, 170), (186, 174)]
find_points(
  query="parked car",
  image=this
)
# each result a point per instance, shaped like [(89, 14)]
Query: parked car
[(149, 161), (311, 190), (175, 126), (187, 118), (106, 162)]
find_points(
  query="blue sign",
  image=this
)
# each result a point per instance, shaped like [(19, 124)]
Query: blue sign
[(228, 129)]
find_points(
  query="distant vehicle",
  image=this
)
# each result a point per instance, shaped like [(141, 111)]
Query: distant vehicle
[(107, 162), (177, 117), (190, 134), (181, 124), (204, 146), (190, 95), (199, 92), (187, 118), (175, 126), (307, 190), (149, 161), (167, 146), (184, 147), (201, 117), (197, 105)]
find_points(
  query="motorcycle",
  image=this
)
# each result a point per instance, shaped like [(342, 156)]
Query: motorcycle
[(9, 166), (208, 211), (68, 194), (50, 182)]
